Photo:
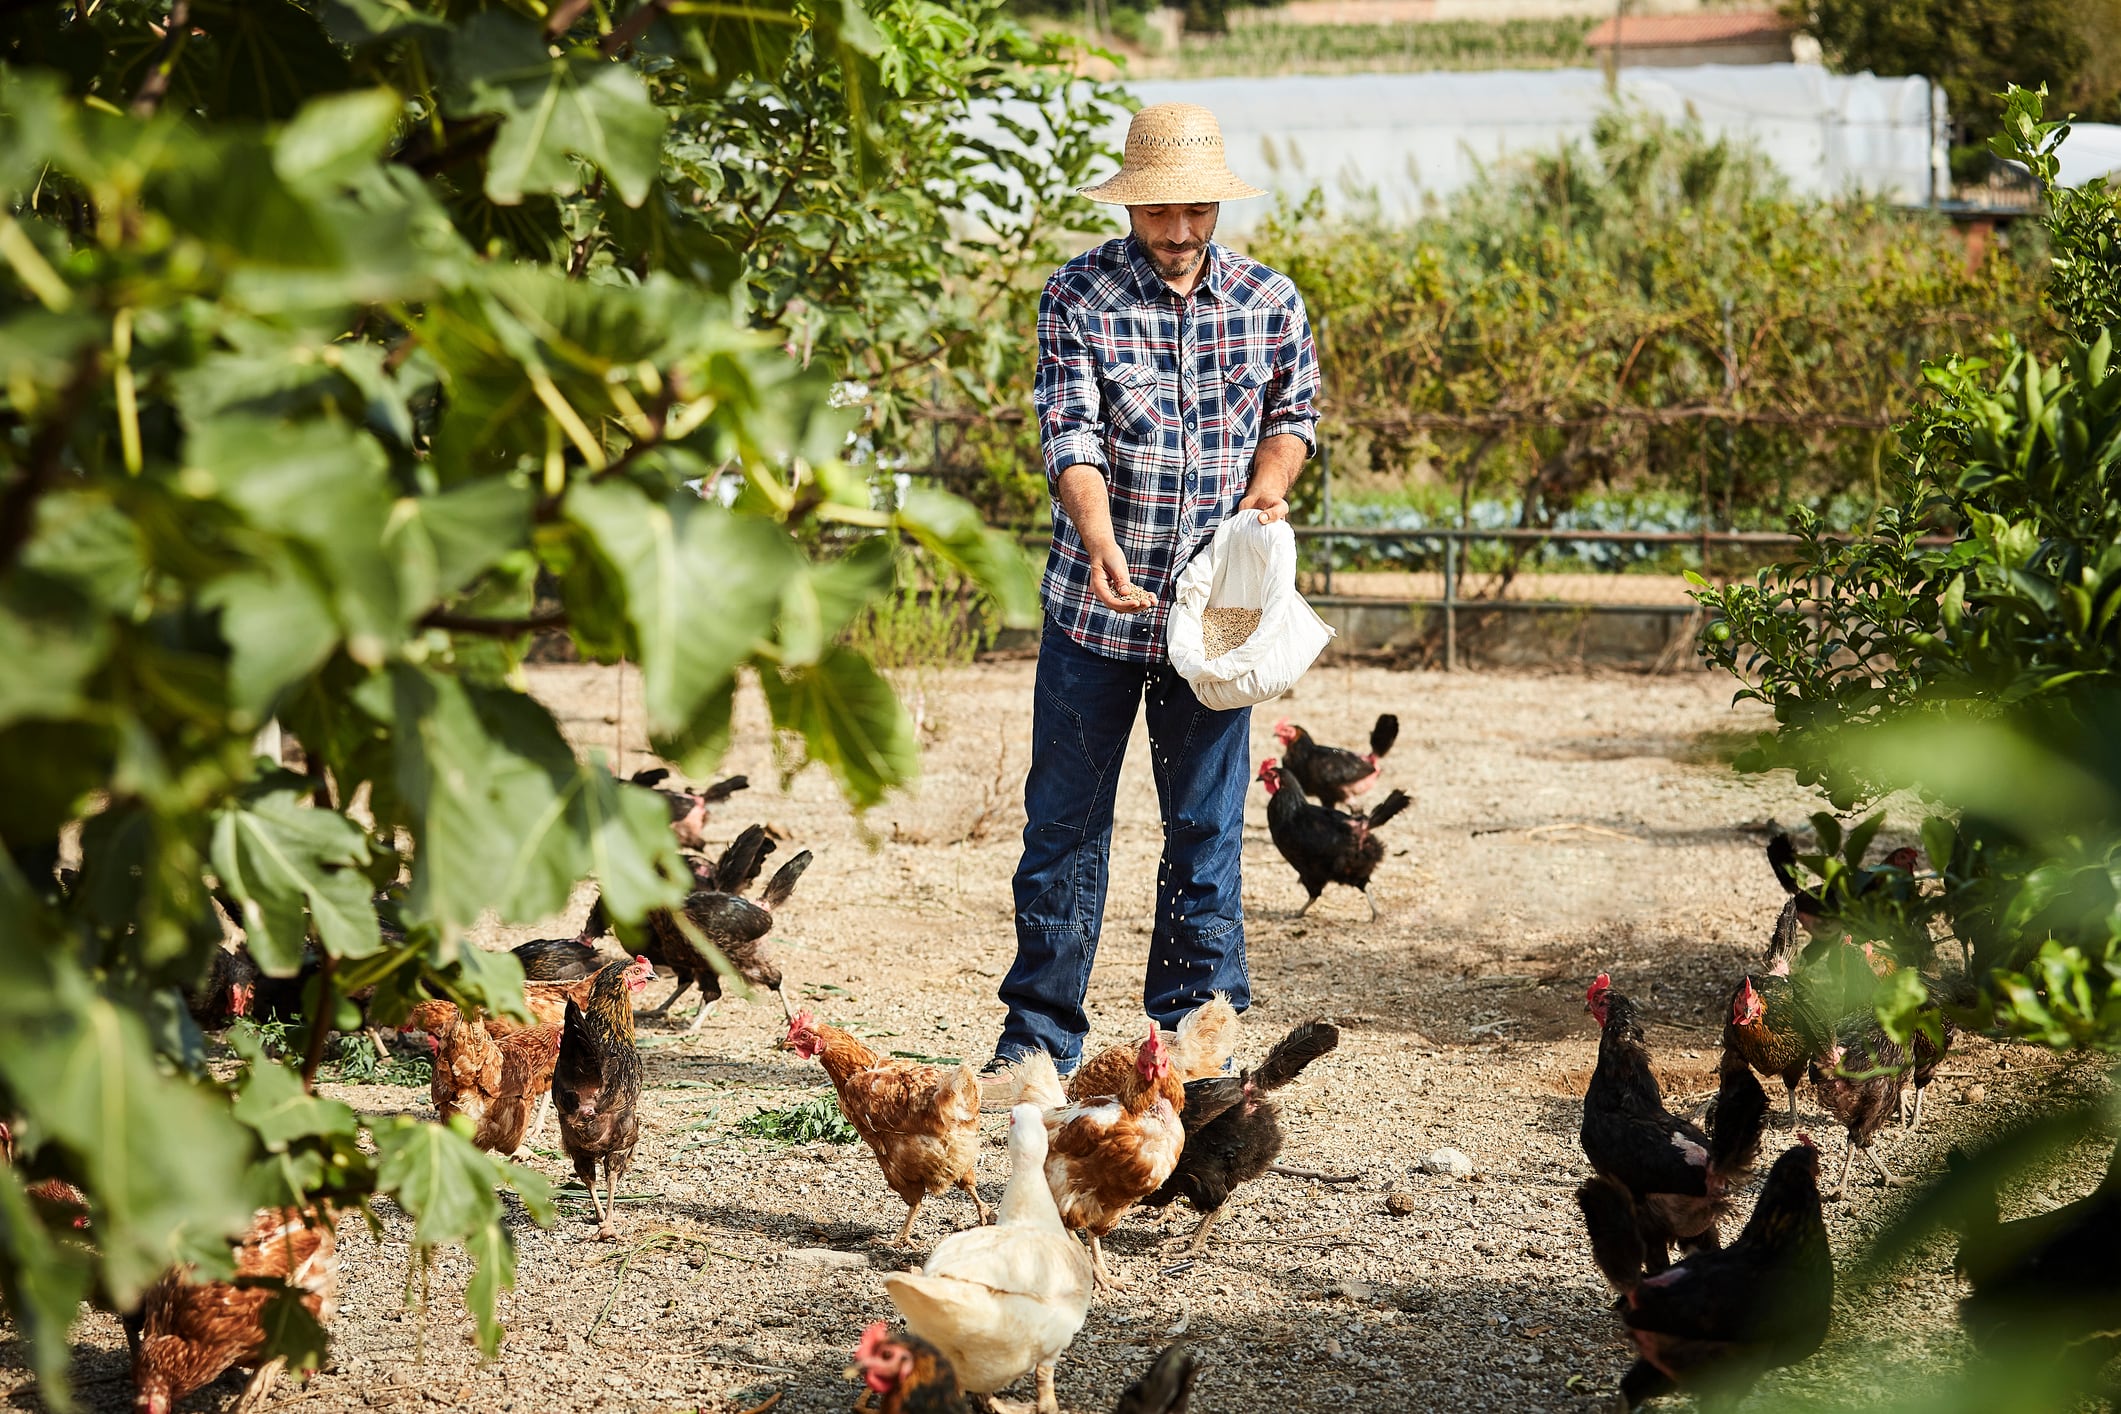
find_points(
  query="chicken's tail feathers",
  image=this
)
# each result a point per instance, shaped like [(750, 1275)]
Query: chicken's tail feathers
[(1384, 734), (1390, 806), (722, 790), (1204, 1039), (1030, 1080), (782, 884), (1616, 1240), (1166, 1387), (1781, 854), (1306, 1043), (739, 863), (1740, 1117), (649, 776), (1789, 936)]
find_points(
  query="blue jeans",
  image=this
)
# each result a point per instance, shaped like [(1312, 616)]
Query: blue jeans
[(1080, 722)]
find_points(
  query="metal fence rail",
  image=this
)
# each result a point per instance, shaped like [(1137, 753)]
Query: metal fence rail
[(1452, 538)]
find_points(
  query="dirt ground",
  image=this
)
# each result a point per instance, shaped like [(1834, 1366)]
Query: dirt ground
[(1562, 825)]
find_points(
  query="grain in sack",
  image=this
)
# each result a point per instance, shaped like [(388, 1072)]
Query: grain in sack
[(1239, 632)]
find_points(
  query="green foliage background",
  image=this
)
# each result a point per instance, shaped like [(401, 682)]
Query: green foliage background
[(327, 333)]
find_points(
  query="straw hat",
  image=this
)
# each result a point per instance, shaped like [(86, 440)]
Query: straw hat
[(1175, 157)]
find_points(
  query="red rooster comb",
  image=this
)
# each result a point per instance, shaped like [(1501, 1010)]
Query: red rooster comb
[(1600, 985), (804, 1021), (881, 1361)]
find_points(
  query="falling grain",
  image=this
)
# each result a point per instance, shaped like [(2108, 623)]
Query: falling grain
[(1222, 630)]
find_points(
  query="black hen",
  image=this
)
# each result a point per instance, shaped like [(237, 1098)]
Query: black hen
[(1722, 1318), (1233, 1132), (688, 809), (2051, 1280), (1324, 845), (1679, 1179), (1858, 1079), (1812, 910), (733, 872), (596, 1085), (1165, 1388), (558, 959), (1334, 773), (732, 923)]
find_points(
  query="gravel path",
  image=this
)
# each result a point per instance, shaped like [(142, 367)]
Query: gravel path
[(1561, 826)]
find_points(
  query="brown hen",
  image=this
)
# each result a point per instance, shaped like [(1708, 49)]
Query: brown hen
[(192, 1333), (921, 1121)]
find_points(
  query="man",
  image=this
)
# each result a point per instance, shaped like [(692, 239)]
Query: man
[(1174, 388)]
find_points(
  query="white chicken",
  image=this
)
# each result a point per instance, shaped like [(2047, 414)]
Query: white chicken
[(1004, 1300)]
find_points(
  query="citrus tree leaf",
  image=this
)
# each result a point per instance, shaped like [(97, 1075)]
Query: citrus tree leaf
[(291, 1332), (271, 1101), (335, 136), (949, 526), (44, 1282), (701, 586), (554, 110), (850, 721), (162, 1155), (290, 865)]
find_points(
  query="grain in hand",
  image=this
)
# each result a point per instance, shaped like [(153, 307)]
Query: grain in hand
[(1222, 630)]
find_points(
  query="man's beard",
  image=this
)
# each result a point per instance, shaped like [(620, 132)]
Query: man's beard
[(1179, 266)]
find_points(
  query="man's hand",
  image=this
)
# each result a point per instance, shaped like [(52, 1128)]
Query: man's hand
[(1109, 581), (1271, 505), (1274, 469)]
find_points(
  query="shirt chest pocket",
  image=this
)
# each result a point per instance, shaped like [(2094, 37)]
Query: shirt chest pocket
[(1139, 401), (1244, 394)]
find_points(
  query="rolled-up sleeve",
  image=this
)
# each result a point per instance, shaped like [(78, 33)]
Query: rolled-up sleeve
[(1293, 394), (1065, 391)]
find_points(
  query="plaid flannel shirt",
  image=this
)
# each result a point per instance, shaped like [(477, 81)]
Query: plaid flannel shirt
[(1169, 398)]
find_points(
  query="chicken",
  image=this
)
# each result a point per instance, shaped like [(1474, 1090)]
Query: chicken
[(596, 1084), (1960, 991), (1108, 1151), (2050, 1278), (688, 809), (1858, 1079), (547, 1002), (230, 986), (191, 1333), (1166, 1387), (1004, 1301), (1679, 1180), (1722, 1318), (1322, 844), (734, 924), (558, 959), (1333, 773), (909, 1376), (1232, 1139), (1773, 1030), (492, 1082), (1203, 1041), (1897, 872), (921, 1121)]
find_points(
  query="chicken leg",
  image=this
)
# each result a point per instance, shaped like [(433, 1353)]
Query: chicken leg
[(1101, 1273), (661, 1008), (787, 1007), (913, 1211), (1915, 1122), (1372, 902), (1199, 1237), (1892, 1180), (606, 1232), (537, 1122), (986, 1214), (260, 1387), (699, 1020), (1048, 1402), (1790, 1088), (1841, 1189), (1306, 908)]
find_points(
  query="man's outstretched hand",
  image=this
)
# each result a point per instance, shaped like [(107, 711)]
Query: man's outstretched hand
[(1109, 581)]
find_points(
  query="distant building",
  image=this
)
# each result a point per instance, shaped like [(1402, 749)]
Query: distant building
[(1683, 41)]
